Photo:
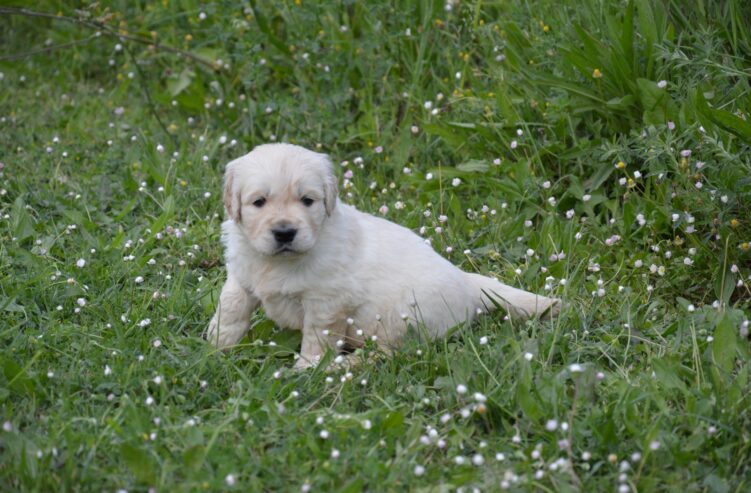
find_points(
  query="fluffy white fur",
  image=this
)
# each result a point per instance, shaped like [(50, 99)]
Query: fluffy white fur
[(347, 275)]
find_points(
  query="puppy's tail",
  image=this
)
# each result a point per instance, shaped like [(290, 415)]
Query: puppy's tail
[(518, 303)]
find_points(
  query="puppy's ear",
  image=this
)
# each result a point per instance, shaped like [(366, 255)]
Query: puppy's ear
[(231, 196), (329, 188)]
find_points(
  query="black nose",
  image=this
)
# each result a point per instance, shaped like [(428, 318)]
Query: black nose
[(284, 235)]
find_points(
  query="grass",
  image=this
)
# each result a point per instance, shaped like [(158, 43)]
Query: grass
[(561, 162)]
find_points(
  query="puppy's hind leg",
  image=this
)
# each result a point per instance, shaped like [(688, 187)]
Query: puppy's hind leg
[(518, 303), (232, 317)]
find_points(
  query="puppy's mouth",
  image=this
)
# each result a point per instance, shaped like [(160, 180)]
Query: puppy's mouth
[(285, 251)]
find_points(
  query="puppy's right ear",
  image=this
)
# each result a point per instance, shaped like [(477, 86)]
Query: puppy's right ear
[(231, 196)]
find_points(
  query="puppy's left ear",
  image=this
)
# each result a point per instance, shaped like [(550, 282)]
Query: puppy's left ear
[(231, 197), (329, 188)]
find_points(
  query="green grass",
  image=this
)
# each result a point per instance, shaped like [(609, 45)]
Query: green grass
[(642, 383)]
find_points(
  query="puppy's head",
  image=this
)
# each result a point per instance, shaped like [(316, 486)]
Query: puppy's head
[(280, 196)]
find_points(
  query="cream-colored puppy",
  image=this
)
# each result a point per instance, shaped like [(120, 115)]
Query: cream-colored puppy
[(338, 274)]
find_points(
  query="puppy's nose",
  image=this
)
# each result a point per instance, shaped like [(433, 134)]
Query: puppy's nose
[(284, 235)]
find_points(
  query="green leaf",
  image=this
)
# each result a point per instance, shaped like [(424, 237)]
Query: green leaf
[(725, 344), (621, 103), (527, 402), (354, 486), (18, 380), (393, 423), (474, 166), (665, 372), (602, 174), (178, 84), (193, 457), (21, 222), (263, 25), (654, 101), (724, 284), (731, 123), (139, 463)]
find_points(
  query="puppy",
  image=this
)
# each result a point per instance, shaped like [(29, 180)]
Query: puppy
[(340, 275)]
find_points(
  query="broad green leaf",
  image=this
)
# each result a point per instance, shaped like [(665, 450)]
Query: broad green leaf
[(178, 84), (193, 457), (665, 372), (393, 423), (725, 344), (21, 222), (139, 463), (474, 166)]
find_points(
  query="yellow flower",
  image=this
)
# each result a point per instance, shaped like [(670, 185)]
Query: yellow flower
[(596, 73), (734, 223), (183, 183), (188, 38), (744, 246), (546, 29), (620, 165)]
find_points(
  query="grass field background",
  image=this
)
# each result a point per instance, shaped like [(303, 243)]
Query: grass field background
[(593, 150)]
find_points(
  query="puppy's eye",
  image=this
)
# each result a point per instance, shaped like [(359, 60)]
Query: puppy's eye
[(259, 202), (307, 201)]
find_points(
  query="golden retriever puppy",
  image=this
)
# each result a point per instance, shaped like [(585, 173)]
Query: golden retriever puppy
[(339, 275)]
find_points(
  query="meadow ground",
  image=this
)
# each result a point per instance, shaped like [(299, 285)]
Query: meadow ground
[(594, 150)]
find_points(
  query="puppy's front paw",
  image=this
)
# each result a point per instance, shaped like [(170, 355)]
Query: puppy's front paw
[(224, 335), (551, 308), (303, 363)]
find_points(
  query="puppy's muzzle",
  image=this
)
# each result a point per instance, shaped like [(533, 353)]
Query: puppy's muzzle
[(284, 236)]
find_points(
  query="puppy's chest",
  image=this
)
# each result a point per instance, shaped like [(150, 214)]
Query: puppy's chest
[(286, 311)]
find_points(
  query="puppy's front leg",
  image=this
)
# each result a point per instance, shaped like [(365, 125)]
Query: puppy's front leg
[(317, 337), (232, 317)]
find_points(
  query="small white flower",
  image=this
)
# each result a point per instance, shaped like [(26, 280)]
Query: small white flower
[(662, 84), (7, 426), (81, 263), (551, 425), (335, 453), (575, 368), (691, 308), (478, 460), (230, 480), (456, 182), (461, 389), (528, 356), (81, 302), (159, 148)]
